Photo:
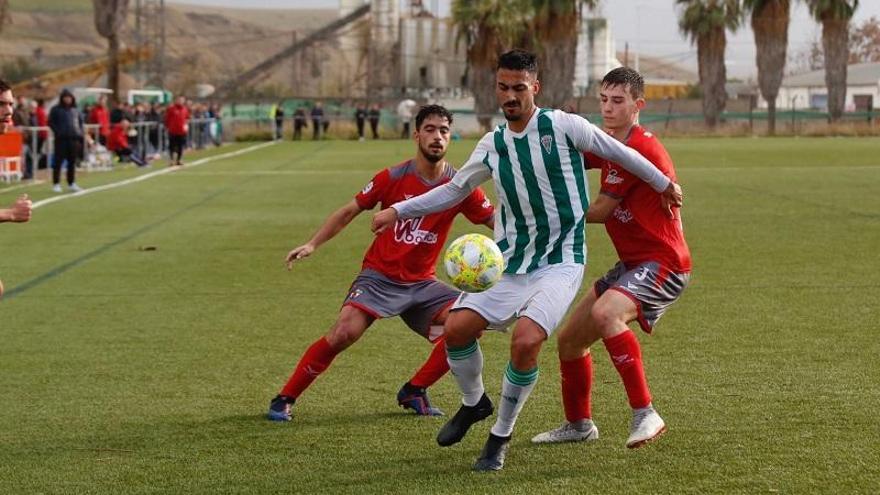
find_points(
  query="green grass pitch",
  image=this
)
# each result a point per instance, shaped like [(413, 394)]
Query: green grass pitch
[(125, 370)]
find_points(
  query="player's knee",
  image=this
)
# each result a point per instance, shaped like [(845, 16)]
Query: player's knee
[(342, 335), (525, 346), (457, 331), (605, 317)]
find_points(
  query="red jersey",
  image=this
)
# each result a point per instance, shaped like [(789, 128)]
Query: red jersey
[(176, 119), (118, 139), (100, 116), (409, 251), (638, 227), (42, 121)]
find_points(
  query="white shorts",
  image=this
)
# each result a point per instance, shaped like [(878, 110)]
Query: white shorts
[(543, 295)]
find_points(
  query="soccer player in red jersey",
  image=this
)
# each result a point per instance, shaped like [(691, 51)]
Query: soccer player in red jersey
[(397, 277), (653, 270), (20, 211)]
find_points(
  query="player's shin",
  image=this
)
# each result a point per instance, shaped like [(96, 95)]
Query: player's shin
[(626, 355), (315, 361), (434, 368), (466, 364), (515, 390), (577, 384)]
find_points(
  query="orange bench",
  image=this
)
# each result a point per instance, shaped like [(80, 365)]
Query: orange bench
[(10, 156)]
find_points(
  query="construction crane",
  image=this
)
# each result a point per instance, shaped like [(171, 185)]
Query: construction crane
[(91, 69), (272, 62)]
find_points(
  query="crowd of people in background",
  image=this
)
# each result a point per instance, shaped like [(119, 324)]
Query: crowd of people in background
[(68, 133), (320, 120)]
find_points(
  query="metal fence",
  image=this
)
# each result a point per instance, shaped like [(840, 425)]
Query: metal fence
[(147, 139)]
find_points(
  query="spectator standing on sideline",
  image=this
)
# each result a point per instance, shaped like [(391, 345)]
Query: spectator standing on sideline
[(101, 116), (317, 120), (405, 114), (360, 117), (279, 120), (154, 117), (177, 123), (21, 116), (374, 115), (41, 119), (67, 123), (299, 121)]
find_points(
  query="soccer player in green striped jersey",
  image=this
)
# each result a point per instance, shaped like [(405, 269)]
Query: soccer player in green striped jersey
[(535, 161)]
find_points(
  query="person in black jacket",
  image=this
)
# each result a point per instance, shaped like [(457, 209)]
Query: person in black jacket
[(66, 122), (374, 115), (360, 118)]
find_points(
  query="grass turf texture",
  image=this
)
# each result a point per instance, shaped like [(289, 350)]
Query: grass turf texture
[(131, 371)]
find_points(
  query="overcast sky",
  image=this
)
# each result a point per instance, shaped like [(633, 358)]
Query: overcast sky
[(650, 26)]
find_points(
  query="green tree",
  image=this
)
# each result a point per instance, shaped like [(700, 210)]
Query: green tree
[(834, 16), (705, 22), (488, 28), (770, 20), (109, 19), (864, 42), (555, 25)]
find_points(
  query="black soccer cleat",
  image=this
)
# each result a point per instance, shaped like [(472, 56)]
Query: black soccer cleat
[(492, 456), (279, 408), (456, 428), (416, 398)]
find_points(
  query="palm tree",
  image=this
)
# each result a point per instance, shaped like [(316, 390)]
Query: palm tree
[(555, 26), (770, 19), (705, 22), (109, 18), (834, 16), (488, 28)]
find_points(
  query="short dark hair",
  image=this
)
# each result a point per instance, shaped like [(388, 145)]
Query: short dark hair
[(519, 60), (624, 76), (428, 110), (4, 86)]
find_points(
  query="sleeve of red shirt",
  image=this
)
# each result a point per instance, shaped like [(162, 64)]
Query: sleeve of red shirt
[(625, 181), (592, 161), (373, 192), (477, 207)]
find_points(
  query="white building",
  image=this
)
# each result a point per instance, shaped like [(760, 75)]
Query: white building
[(808, 90)]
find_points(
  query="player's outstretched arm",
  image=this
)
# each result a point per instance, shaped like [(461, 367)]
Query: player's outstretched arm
[(334, 224), (601, 208), (20, 211)]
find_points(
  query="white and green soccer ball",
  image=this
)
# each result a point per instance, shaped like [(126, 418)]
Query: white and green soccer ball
[(473, 263)]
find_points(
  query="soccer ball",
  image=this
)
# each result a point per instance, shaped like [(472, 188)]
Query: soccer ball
[(473, 263)]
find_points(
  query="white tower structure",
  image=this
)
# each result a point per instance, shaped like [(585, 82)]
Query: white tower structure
[(595, 53), (382, 75)]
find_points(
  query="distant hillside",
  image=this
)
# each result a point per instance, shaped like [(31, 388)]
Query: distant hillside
[(203, 44)]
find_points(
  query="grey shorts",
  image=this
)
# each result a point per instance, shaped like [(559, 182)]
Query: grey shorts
[(417, 303), (650, 286)]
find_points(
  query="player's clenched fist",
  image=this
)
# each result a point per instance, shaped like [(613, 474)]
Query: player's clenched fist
[(20, 211)]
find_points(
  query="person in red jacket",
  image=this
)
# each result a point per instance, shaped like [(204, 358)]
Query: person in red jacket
[(99, 115), (117, 142), (177, 123)]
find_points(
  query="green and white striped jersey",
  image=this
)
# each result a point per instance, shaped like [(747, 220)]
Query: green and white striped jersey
[(540, 182)]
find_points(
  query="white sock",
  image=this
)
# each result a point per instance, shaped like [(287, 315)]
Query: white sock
[(515, 390), (466, 364)]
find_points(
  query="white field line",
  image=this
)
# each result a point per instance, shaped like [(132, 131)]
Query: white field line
[(167, 170), (22, 186)]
